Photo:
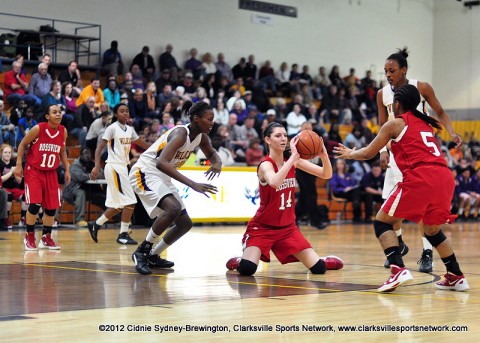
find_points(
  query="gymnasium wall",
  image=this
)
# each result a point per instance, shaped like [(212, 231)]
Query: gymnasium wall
[(349, 33)]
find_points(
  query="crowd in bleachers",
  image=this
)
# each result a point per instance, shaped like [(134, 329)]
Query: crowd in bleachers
[(245, 99)]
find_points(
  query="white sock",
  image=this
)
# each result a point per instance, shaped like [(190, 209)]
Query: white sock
[(460, 211), (159, 248), (124, 227), (151, 236), (399, 232), (426, 244), (102, 220)]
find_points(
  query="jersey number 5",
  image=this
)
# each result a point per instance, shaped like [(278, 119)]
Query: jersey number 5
[(48, 160), (425, 136), (288, 203)]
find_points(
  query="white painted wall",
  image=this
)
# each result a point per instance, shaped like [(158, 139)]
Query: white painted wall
[(349, 33)]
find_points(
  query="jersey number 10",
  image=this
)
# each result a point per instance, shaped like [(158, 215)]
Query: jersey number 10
[(48, 160)]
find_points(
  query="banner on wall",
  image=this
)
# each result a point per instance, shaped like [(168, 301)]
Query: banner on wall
[(237, 199)]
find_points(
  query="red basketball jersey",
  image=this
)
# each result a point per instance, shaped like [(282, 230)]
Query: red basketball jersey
[(416, 145), (44, 152), (277, 206)]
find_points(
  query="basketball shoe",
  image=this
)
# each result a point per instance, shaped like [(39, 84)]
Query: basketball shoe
[(29, 241), (47, 242), (124, 238), (403, 250), (140, 258), (155, 261), (400, 276), (333, 262), (93, 229), (426, 261), (453, 282), (232, 264)]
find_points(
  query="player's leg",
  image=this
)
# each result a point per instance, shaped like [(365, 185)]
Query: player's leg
[(454, 278), (397, 227), (249, 261), (124, 236), (384, 231), (171, 208), (426, 260), (47, 242)]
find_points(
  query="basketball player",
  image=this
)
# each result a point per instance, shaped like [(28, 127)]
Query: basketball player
[(425, 193), (151, 178), (120, 196), (273, 227), (47, 149), (396, 68)]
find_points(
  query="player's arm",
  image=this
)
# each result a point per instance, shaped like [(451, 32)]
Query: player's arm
[(212, 156), (176, 140), (382, 119), (29, 138), (324, 172), (429, 94), (64, 159), (267, 173), (388, 131), (142, 144), (98, 156)]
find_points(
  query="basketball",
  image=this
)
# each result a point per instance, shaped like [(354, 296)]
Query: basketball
[(309, 144)]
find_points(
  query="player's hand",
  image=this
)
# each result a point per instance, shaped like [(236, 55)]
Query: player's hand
[(293, 148), (68, 178), (213, 171), (457, 139), (341, 151), (205, 188), (94, 173), (18, 171), (384, 159), (323, 151)]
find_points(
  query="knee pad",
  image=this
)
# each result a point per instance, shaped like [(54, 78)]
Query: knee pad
[(50, 213), (33, 208), (246, 267), (436, 239), (319, 268), (381, 227)]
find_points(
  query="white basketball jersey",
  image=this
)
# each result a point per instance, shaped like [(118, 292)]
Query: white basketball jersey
[(119, 139), (148, 159), (387, 97)]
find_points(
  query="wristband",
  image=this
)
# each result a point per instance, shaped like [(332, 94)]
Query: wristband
[(384, 149)]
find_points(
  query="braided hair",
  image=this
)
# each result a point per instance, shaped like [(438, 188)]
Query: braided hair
[(401, 57), (409, 97), (197, 109)]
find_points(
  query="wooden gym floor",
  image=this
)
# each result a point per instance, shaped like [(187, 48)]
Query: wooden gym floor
[(91, 292)]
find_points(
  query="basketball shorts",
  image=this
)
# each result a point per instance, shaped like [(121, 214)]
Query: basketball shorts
[(151, 188), (282, 242), (15, 192), (119, 191), (41, 187), (393, 175), (424, 195)]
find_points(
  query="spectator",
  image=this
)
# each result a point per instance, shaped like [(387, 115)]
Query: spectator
[(167, 61), (112, 63), (47, 59), (25, 124), (344, 186), (194, 65), (295, 119), (40, 84), (145, 62), (77, 192), (54, 97), (225, 154), (93, 89), (239, 69), (112, 94), (254, 154), (138, 79), (207, 64), (72, 75), (7, 129), (223, 67), (16, 85), (372, 185)]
